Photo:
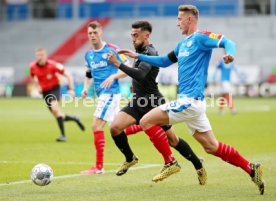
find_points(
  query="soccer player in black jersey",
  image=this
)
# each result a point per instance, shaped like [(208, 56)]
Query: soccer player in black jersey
[(146, 96)]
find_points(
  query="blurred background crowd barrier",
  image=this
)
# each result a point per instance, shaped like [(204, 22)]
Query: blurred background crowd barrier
[(60, 27)]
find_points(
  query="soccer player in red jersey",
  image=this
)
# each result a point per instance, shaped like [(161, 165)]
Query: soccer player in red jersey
[(44, 73)]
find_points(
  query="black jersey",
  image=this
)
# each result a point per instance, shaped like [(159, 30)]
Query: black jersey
[(148, 85), (144, 75)]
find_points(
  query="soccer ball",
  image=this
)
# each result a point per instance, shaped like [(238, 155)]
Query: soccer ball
[(42, 174)]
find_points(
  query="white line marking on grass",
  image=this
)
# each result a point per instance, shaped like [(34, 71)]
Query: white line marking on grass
[(248, 109), (56, 163), (145, 166)]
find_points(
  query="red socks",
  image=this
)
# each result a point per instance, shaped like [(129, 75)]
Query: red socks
[(232, 156), (99, 145), (159, 139), (133, 129)]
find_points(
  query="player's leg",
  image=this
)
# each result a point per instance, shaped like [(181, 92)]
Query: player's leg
[(230, 103), (231, 155), (56, 111), (107, 107), (122, 121), (76, 120), (97, 129), (186, 151), (222, 102), (133, 129), (151, 123)]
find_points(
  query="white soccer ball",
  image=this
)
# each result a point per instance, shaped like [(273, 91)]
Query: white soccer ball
[(42, 174)]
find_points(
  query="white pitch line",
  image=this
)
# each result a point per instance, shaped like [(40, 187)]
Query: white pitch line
[(55, 163), (79, 175)]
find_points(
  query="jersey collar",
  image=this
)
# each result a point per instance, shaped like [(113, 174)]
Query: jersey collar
[(104, 43)]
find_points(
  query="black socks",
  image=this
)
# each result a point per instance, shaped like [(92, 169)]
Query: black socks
[(61, 125), (69, 118), (185, 150), (121, 142)]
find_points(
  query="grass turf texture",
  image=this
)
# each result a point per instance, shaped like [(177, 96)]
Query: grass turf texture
[(28, 133)]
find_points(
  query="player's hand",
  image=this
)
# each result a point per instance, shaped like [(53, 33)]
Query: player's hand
[(228, 59), (131, 89), (111, 57), (107, 83), (84, 93), (71, 92), (129, 53)]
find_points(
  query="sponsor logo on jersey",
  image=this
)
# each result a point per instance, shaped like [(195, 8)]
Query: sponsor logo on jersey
[(98, 65), (183, 54)]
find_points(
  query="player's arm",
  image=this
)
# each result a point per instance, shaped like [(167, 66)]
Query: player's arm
[(87, 82), (136, 73), (116, 59), (107, 83), (209, 40), (70, 82), (158, 61), (34, 80)]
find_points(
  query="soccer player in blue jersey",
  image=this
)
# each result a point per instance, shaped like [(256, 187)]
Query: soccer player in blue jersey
[(225, 84), (105, 76), (193, 54), (147, 96)]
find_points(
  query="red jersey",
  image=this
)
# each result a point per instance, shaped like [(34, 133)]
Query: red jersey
[(46, 74)]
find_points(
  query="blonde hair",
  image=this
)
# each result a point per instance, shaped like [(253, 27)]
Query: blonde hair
[(40, 49), (189, 9)]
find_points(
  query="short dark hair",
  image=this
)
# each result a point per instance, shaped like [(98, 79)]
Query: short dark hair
[(189, 9), (94, 25), (143, 25)]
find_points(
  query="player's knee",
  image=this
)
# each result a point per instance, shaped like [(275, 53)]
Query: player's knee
[(211, 148), (115, 129), (143, 123), (94, 127), (172, 142), (55, 112)]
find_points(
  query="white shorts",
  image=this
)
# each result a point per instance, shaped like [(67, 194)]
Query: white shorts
[(108, 106), (190, 111), (225, 87)]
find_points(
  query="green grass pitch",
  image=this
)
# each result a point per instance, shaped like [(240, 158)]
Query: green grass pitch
[(27, 137)]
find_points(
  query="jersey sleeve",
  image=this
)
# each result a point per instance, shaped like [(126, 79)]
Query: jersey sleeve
[(209, 40), (124, 59), (59, 68), (176, 49), (32, 74), (88, 72)]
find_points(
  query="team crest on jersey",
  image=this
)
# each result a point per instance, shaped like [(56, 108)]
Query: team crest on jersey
[(49, 76), (189, 43), (104, 56)]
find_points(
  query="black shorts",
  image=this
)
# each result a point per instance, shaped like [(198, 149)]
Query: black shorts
[(138, 112), (50, 95)]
